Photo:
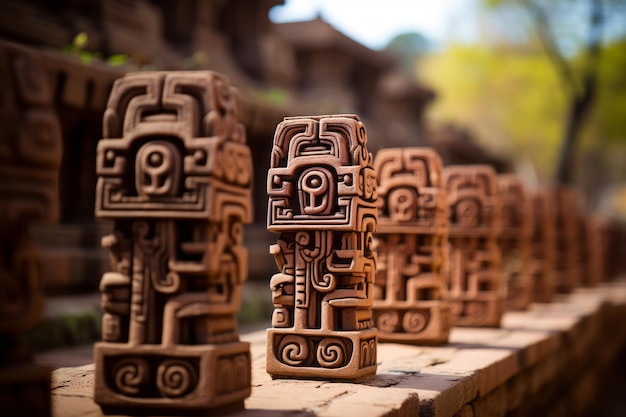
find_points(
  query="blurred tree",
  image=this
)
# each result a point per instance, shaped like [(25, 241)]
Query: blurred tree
[(566, 28), (508, 95)]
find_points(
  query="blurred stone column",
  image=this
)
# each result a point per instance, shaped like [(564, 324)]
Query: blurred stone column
[(30, 156)]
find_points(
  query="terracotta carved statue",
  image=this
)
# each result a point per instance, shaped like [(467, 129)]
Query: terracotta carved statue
[(174, 174), (541, 265), (30, 156), (409, 305), (567, 273), (475, 287), (322, 201), (514, 241)]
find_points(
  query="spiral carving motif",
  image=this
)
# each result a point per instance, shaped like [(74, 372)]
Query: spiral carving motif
[(476, 309), (415, 321), (387, 321), (327, 284), (293, 350), (176, 378), (130, 374), (332, 353)]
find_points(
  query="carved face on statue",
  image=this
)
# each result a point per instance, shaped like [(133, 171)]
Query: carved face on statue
[(402, 204), (157, 169), (467, 212)]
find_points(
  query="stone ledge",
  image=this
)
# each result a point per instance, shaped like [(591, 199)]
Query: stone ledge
[(547, 360)]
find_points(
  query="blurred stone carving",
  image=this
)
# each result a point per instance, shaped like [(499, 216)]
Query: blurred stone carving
[(174, 174), (543, 246), (30, 156), (596, 246), (322, 201), (409, 304), (514, 241), (567, 273), (475, 287)]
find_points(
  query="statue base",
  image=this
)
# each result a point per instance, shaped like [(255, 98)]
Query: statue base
[(166, 380), (426, 323), (321, 354), (479, 311)]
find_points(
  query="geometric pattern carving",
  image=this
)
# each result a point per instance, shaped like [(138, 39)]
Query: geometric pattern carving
[(475, 287), (322, 201), (411, 242), (174, 174), (30, 156), (515, 241), (543, 246)]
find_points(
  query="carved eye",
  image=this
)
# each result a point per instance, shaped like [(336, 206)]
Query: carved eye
[(402, 204), (467, 212), (316, 191), (157, 169)]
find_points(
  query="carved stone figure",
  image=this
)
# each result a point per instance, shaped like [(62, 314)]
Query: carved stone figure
[(409, 305), (474, 280), (174, 174), (30, 155), (322, 201), (597, 247), (567, 273), (514, 241), (543, 246)]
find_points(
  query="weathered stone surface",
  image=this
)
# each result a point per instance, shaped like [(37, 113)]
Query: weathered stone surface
[(174, 174), (322, 201), (480, 372), (411, 244)]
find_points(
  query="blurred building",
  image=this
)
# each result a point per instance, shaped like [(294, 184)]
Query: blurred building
[(299, 68)]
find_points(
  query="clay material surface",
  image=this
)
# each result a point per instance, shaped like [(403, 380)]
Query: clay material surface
[(515, 241), (174, 174), (567, 265), (542, 246), (322, 201), (474, 280), (411, 242)]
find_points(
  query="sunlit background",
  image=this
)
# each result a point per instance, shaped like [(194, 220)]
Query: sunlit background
[(493, 72)]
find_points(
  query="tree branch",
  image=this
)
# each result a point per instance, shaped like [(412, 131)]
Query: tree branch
[(542, 25)]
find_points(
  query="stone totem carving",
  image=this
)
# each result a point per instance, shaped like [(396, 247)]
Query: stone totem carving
[(30, 156), (475, 287), (597, 247), (322, 201), (567, 274), (543, 246), (409, 305), (174, 174), (514, 241)]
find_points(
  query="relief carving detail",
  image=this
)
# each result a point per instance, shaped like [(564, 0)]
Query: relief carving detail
[(322, 201), (411, 243), (475, 286), (174, 174)]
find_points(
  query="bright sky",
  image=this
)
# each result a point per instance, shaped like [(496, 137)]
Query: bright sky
[(375, 22)]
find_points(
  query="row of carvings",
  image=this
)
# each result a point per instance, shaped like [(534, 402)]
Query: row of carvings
[(393, 248)]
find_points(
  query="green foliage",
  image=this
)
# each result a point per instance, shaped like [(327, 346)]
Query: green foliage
[(78, 47), (509, 97)]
